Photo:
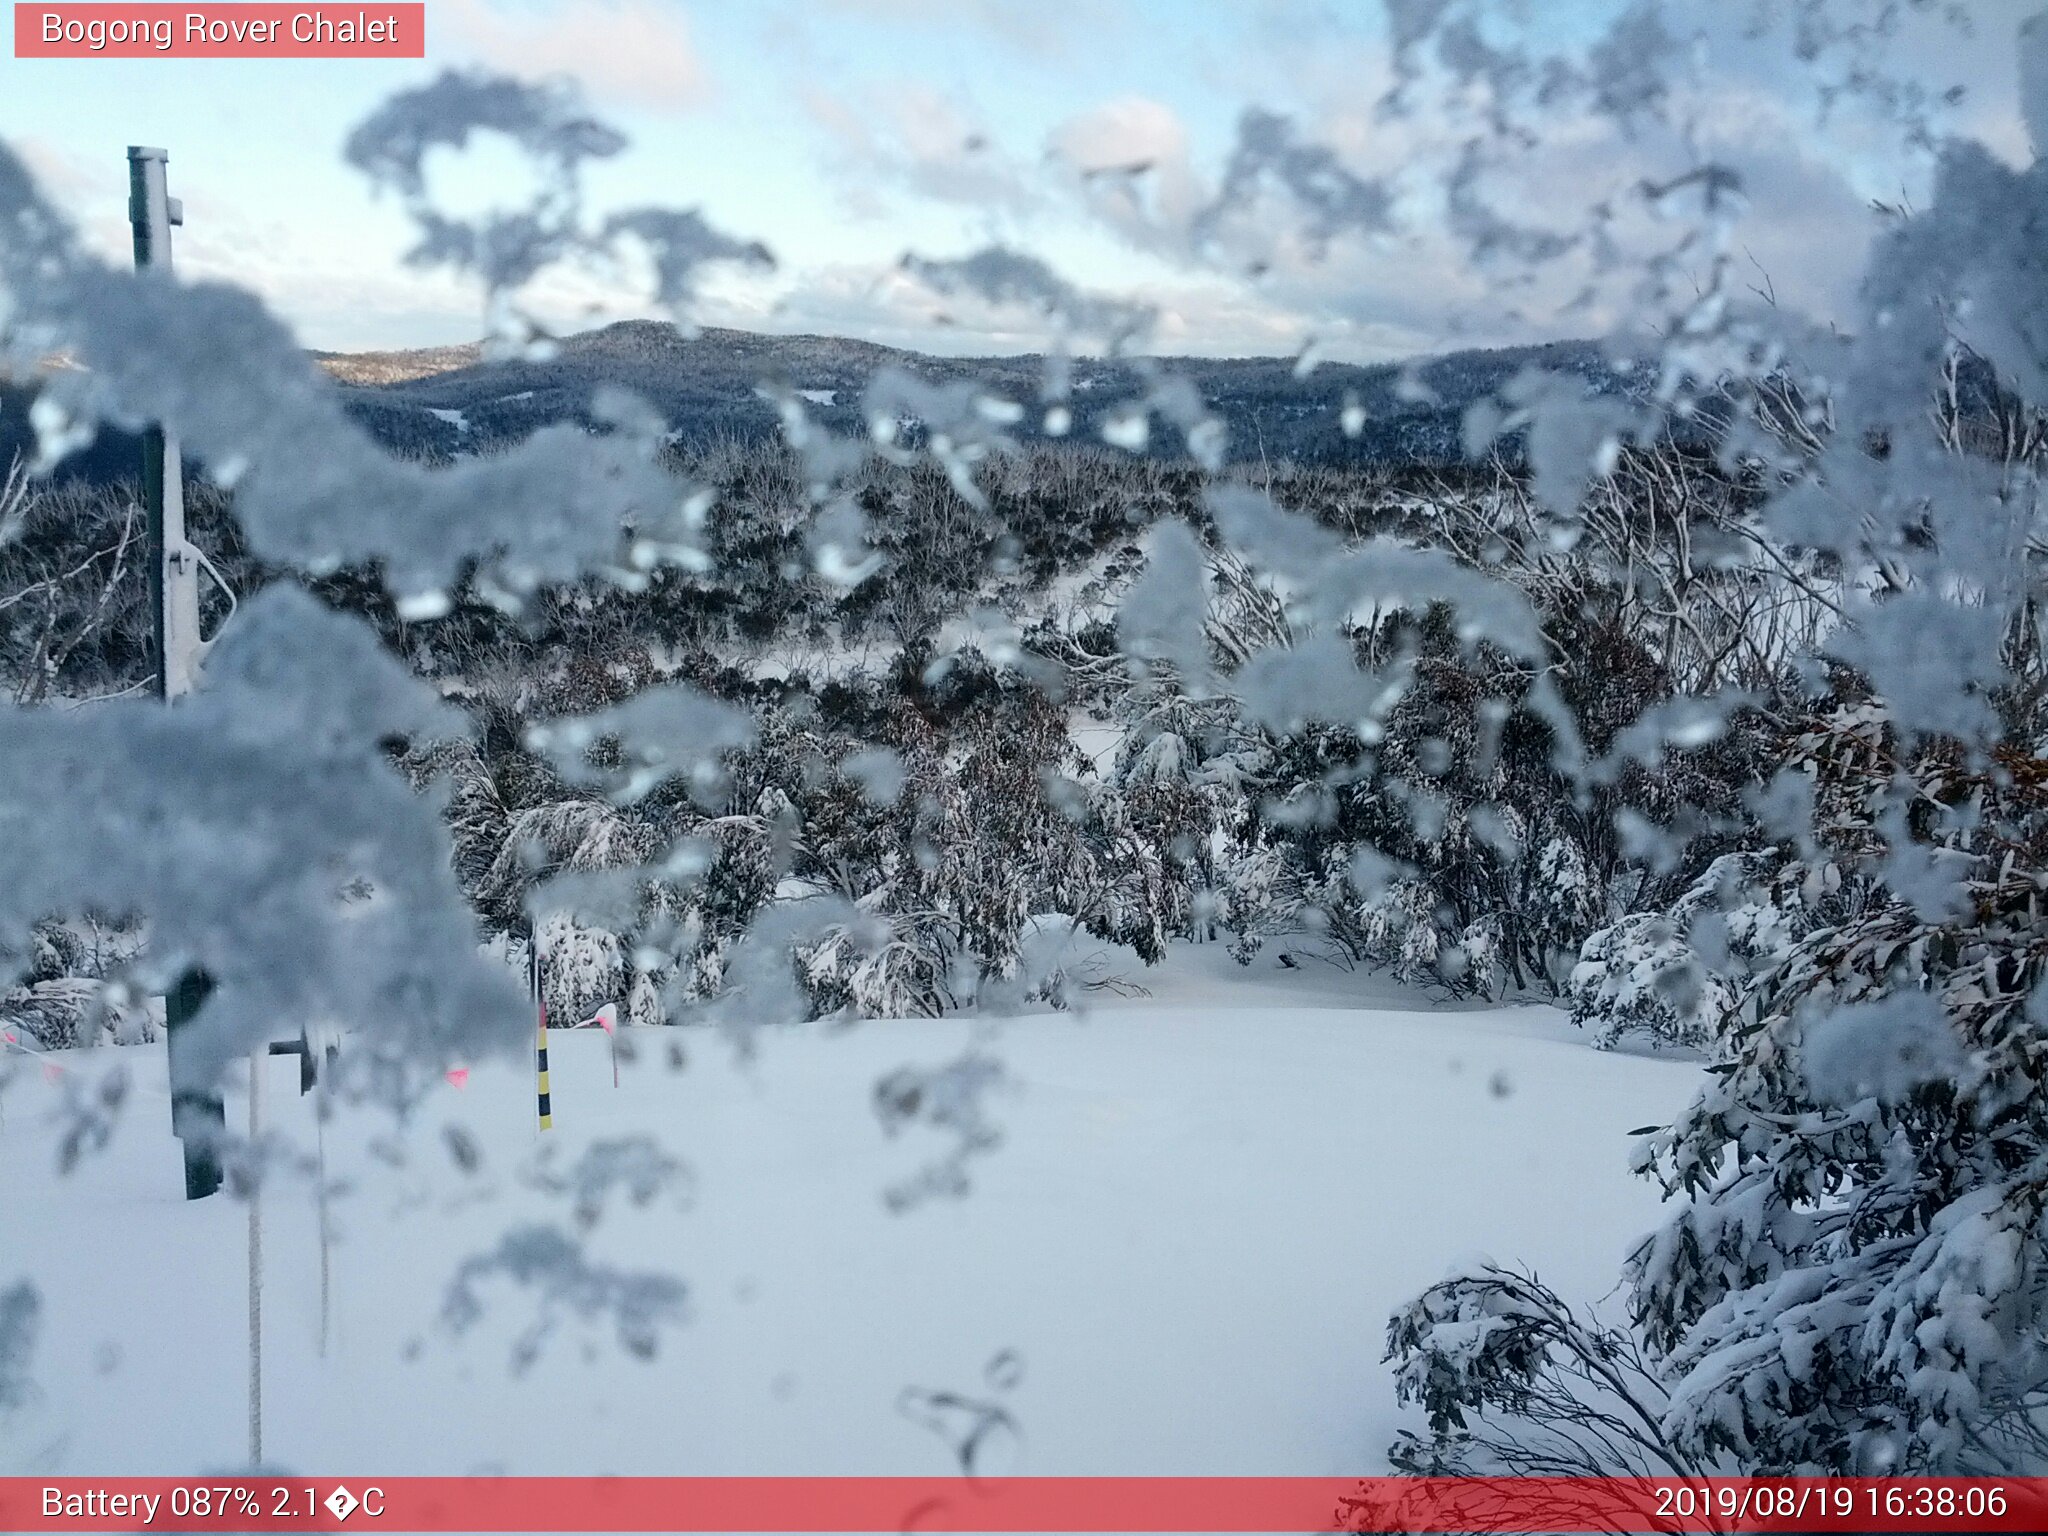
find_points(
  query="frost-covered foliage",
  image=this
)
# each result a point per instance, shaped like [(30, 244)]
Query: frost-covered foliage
[(936, 818), (1679, 975), (1853, 1275), (1501, 1345), (73, 988), (1850, 1276), (256, 828), (74, 621), (1418, 785), (265, 839)]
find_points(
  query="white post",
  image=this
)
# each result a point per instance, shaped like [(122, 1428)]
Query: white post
[(174, 564)]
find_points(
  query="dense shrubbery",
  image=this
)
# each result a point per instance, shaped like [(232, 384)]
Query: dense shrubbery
[(1849, 1277), (71, 989), (1469, 820), (1855, 1240), (910, 758), (1863, 1184)]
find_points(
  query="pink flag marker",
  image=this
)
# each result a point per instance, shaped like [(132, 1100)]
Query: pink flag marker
[(607, 1019), (51, 1071), (459, 1076)]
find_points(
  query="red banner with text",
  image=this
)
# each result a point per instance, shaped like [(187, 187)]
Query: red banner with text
[(1148, 1504), (104, 31)]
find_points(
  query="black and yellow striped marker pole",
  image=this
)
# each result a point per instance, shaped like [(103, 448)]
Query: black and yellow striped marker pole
[(547, 1115)]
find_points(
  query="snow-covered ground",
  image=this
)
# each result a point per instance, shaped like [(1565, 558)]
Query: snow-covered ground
[(1180, 1260)]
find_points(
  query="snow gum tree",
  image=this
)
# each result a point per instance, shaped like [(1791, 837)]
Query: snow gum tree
[(1851, 1275)]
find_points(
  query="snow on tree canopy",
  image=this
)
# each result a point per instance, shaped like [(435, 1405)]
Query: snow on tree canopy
[(660, 732), (1884, 1050)]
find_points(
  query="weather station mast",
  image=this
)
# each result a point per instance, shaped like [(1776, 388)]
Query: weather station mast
[(198, 1114)]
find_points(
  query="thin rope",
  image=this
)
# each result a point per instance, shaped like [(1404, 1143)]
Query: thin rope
[(320, 1152), (256, 1061)]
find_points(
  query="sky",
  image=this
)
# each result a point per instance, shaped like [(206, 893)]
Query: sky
[(846, 133)]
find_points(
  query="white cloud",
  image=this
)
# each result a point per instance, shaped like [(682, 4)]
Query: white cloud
[(885, 304), (1110, 191), (1124, 134), (1432, 285), (1028, 28), (1131, 159), (630, 52), (335, 296), (912, 138)]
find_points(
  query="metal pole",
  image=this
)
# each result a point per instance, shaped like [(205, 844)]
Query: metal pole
[(198, 1114), (173, 566)]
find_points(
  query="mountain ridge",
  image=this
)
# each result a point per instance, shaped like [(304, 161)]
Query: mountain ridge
[(443, 401), (709, 385)]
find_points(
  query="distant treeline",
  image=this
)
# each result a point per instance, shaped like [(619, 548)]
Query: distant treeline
[(709, 389)]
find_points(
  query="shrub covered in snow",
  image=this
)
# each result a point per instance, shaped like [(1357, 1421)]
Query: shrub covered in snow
[(1680, 975), (1492, 1347), (1852, 1275), (73, 989)]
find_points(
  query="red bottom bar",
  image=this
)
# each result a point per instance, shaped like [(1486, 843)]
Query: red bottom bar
[(391, 1505)]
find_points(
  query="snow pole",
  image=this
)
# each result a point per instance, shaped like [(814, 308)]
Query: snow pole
[(175, 562), (547, 1116)]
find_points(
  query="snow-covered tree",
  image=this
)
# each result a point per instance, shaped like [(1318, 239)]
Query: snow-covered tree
[(1681, 974), (1853, 1275), (1850, 1275)]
